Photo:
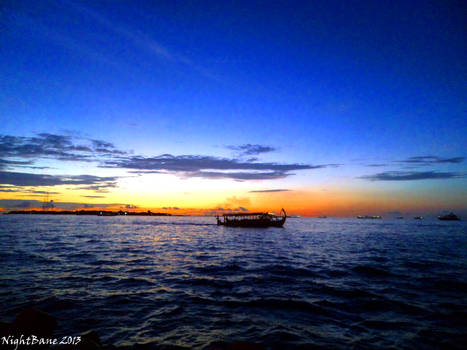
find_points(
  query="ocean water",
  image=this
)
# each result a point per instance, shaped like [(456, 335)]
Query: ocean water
[(328, 283)]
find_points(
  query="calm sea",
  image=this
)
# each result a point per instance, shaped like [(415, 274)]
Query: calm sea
[(332, 283)]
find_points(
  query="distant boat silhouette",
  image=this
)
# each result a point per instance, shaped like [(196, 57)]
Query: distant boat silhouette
[(369, 217), (107, 213), (252, 219), (46, 204), (322, 217), (449, 217), (418, 217)]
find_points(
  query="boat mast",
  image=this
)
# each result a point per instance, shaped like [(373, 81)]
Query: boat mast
[(46, 201)]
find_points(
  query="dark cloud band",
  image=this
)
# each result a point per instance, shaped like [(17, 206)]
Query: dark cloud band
[(61, 147), (430, 160), (251, 150), (209, 167), (411, 176), (26, 179)]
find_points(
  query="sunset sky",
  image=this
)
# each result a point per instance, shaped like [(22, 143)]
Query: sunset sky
[(322, 107)]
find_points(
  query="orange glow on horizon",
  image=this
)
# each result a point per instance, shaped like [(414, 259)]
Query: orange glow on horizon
[(334, 201)]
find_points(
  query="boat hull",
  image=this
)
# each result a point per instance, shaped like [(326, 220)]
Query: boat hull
[(253, 223), (449, 217), (252, 220)]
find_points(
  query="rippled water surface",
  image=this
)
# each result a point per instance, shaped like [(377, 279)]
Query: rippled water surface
[(334, 283)]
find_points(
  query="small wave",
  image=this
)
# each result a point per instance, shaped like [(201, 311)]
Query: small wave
[(345, 293), (92, 240), (381, 303), (424, 265), (371, 271), (287, 272), (280, 336), (208, 282), (441, 339), (216, 269), (105, 262), (443, 284), (123, 299), (336, 273), (379, 259), (166, 311), (271, 304), (386, 325), (135, 282), (76, 278), (55, 303), (80, 255), (105, 278)]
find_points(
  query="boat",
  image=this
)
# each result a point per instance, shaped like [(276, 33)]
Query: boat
[(418, 218), (322, 217), (449, 217), (252, 219), (369, 217), (107, 213)]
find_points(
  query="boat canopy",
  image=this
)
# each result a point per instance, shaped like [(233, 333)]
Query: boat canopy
[(247, 214)]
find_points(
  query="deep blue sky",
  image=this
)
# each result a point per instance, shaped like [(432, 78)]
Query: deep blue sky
[(322, 82)]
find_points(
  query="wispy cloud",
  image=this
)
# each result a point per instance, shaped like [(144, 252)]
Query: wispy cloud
[(376, 165), (217, 210), (273, 190), (413, 162), (411, 176), (142, 41), (251, 150), (431, 160), (4, 163), (38, 28), (4, 188), (134, 37), (31, 203), (105, 147), (229, 210), (100, 187), (26, 190), (240, 176)]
